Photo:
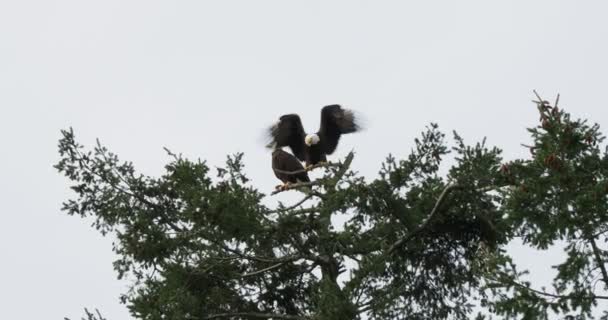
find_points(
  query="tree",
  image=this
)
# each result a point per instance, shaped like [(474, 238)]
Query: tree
[(91, 316), (414, 245), (560, 194)]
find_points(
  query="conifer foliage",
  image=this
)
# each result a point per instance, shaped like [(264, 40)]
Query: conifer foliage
[(197, 243)]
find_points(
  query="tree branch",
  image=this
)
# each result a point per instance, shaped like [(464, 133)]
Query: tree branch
[(253, 258), (250, 274), (598, 260), (552, 295), (296, 186), (343, 168), (305, 210), (117, 187), (254, 315), (423, 226), (318, 165), (293, 206)]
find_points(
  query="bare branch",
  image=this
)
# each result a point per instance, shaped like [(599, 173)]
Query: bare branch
[(175, 156), (293, 206), (296, 186), (318, 165), (541, 103), (556, 296), (305, 210), (250, 274), (538, 96), (343, 168)]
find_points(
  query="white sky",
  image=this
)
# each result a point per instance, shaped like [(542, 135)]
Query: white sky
[(205, 78)]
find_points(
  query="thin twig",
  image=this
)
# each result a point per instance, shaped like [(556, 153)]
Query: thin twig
[(542, 102)]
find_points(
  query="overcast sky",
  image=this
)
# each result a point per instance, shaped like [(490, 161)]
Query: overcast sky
[(205, 78)]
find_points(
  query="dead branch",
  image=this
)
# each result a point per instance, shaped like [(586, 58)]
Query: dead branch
[(343, 168), (296, 186)]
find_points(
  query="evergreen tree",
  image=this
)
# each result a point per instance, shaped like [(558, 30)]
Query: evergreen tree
[(414, 245), (560, 194)]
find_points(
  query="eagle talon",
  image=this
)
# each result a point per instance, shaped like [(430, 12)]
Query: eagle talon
[(282, 187)]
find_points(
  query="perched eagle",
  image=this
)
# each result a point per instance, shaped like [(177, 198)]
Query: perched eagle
[(313, 148), (283, 163)]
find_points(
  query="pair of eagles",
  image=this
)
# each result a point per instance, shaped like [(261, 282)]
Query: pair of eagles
[(310, 148)]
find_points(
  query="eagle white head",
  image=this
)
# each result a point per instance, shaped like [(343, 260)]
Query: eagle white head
[(311, 139)]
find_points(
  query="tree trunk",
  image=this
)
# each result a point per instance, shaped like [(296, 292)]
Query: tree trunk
[(333, 303)]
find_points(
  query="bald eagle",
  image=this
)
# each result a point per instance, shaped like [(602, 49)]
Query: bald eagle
[(283, 163), (313, 148)]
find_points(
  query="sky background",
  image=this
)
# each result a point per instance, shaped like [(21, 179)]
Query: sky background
[(205, 78)]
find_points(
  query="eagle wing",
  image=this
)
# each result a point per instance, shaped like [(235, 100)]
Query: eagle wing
[(335, 121), (288, 131)]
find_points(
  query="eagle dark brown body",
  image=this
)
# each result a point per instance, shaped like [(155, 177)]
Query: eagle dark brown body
[(283, 163)]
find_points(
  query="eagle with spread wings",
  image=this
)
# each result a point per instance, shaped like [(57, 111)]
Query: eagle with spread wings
[(313, 148)]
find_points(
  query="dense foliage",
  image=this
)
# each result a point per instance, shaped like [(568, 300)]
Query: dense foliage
[(415, 244)]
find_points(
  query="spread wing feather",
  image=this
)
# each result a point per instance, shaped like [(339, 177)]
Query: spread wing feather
[(335, 121), (289, 132)]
